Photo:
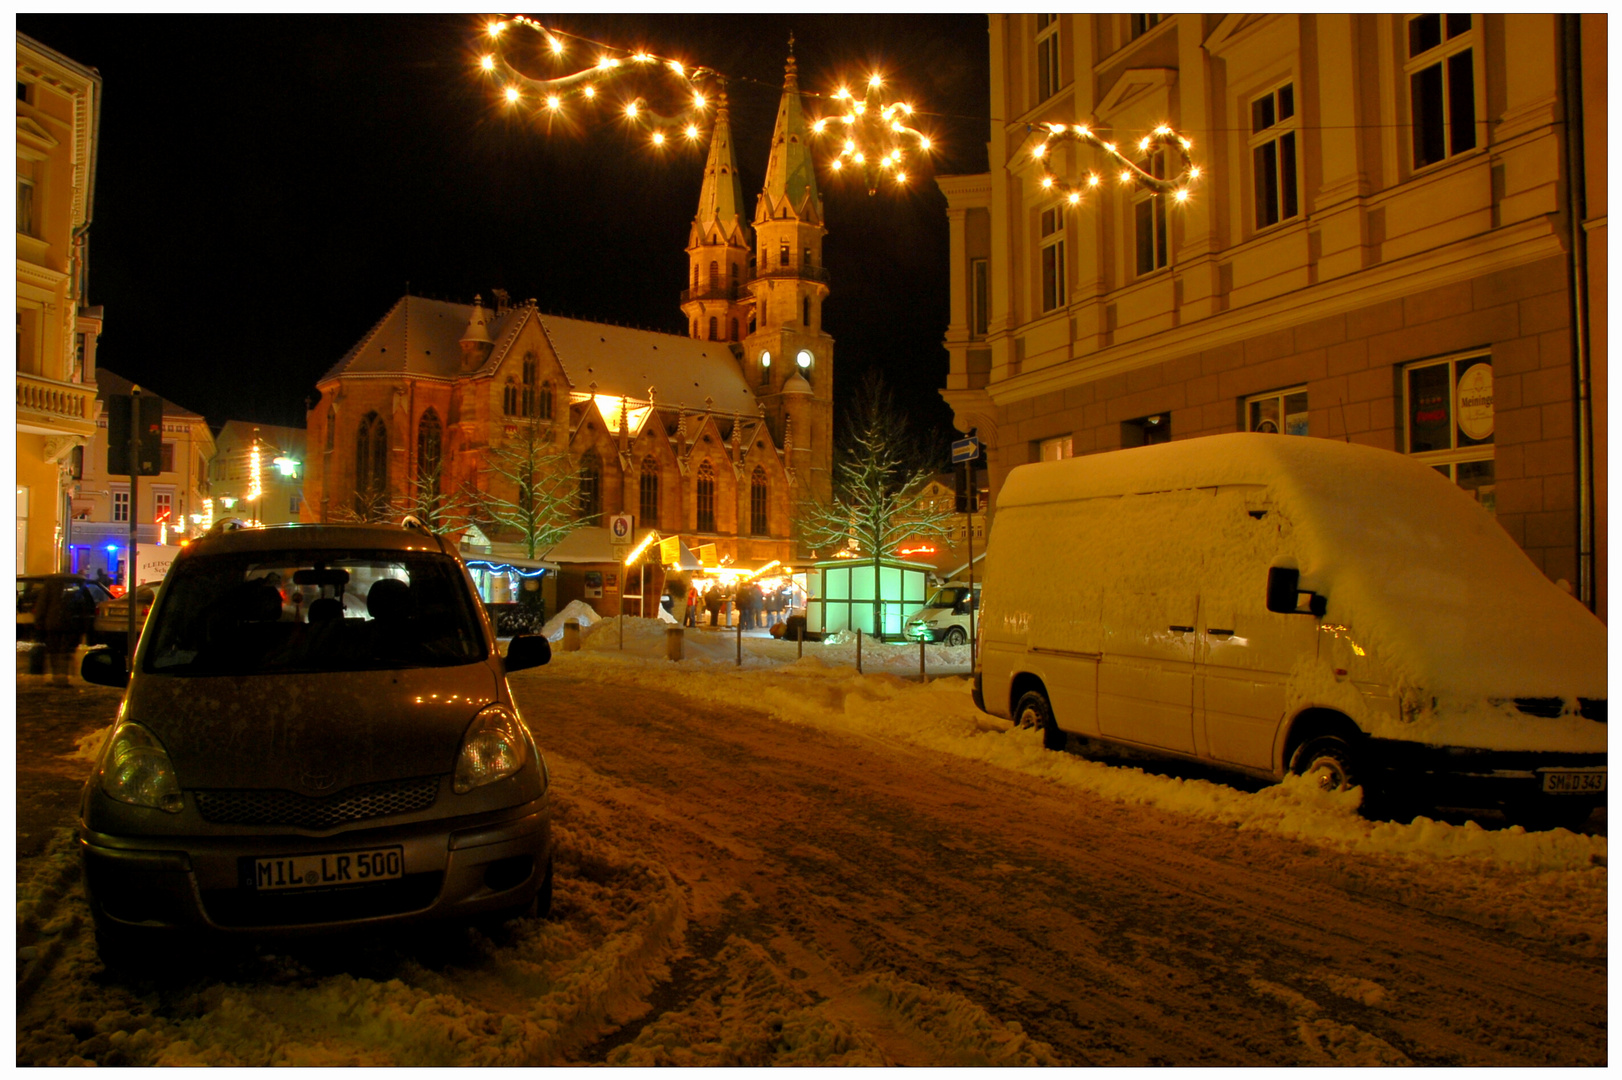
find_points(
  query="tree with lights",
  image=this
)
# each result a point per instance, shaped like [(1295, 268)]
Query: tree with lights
[(880, 473), (533, 491)]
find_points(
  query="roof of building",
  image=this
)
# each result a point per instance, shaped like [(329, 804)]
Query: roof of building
[(109, 383), (421, 337)]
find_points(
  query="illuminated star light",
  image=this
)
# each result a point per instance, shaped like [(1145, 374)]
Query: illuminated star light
[(876, 134), (1130, 174)]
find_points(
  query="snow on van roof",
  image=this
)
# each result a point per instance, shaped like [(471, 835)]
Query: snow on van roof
[(1421, 573)]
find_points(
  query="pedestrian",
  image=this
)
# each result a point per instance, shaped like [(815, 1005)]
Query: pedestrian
[(746, 605), (692, 606), (712, 603), (59, 622), (102, 579)]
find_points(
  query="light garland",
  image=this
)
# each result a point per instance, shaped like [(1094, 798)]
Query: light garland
[(875, 135), (1130, 173), (552, 98), (254, 487)]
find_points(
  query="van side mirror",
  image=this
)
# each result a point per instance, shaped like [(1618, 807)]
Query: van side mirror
[(105, 667), (527, 651), (1284, 593)]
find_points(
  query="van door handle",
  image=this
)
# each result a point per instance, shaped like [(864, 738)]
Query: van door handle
[(1219, 633), (1182, 629)]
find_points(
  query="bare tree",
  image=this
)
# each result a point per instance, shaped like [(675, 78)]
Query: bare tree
[(534, 490)]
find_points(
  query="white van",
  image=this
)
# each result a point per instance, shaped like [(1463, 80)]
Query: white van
[(1278, 604), (945, 616)]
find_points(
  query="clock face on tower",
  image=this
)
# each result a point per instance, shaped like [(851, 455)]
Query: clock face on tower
[(803, 359)]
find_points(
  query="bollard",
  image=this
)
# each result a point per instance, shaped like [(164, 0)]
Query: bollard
[(740, 643), (673, 642), (920, 661), (571, 635), (799, 643), (858, 652)]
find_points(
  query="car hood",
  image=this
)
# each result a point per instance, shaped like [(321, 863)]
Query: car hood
[(315, 734)]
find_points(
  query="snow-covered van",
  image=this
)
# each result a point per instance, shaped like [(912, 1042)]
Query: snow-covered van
[(945, 617), (1278, 604)]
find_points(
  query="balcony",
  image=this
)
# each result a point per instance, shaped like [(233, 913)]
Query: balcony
[(805, 273), (713, 292), (48, 406)]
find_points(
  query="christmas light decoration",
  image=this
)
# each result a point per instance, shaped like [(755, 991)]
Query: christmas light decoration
[(550, 97), (875, 134), (1131, 174)]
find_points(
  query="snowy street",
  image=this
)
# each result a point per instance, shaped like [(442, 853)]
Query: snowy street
[(788, 863)]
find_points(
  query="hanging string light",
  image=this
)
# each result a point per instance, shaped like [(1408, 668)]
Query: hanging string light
[(1128, 173), (612, 73), (874, 137)]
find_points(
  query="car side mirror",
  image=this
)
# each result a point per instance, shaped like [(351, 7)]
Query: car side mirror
[(104, 667), (1284, 593), (527, 651)]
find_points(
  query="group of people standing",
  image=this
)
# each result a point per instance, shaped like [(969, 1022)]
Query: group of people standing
[(758, 608)]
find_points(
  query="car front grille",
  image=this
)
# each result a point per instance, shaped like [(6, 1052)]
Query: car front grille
[(359, 803)]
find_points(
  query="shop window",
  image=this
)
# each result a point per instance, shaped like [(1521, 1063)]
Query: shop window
[(1278, 411), (1142, 24), (1448, 421), (1053, 294), (648, 503), (1441, 85), (121, 504), (1149, 219), (1047, 56), (979, 297), (1055, 449), (1146, 431), (757, 502), (591, 482), (1272, 153), (704, 491)]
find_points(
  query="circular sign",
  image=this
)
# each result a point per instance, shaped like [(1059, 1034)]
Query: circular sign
[(1475, 402)]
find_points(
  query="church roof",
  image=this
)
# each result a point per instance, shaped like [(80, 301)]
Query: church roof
[(421, 337)]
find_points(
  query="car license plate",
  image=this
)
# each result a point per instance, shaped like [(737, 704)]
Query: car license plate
[(328, 869), (1573, 783)]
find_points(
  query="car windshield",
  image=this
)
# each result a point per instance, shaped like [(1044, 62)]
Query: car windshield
[(330, 610)]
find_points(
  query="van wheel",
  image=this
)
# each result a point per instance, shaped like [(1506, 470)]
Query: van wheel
[(1328, 761), (954, 636), (1033, 711)]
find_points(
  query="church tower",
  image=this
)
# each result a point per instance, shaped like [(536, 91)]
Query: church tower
[(716, 302), (787, 357)]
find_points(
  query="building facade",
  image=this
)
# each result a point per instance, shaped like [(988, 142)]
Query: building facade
[(58, 118), (256, 473), (1396, 227), (715, 436), (168, 508)]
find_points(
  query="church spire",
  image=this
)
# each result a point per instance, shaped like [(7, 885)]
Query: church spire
[(790, 172), (720, 200)]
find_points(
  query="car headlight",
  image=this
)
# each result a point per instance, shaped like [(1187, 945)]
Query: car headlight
[(495, 746), (137, 770)]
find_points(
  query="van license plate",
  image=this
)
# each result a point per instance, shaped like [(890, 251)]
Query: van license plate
[(328, 869), (1573, 783)]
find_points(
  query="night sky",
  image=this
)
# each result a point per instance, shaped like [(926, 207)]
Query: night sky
[(268, 185)]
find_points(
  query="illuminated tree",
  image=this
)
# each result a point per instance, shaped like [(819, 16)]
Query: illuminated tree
[(531, 490)]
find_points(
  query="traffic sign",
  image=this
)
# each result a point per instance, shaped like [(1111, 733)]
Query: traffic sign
[(965, 449)]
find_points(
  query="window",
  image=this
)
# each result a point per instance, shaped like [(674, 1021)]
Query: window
[(979, 297), (1448, 420), (371, 464), (1047, 56), (1280, 410), (765, 368), (805, 311), (25, 198), (121, 504), (1142, 24), (293, 504), (76, 463), (782, 254), (649, 492), (1272, 152), (715, 275), (734, 329), (590, 494), (805, 257), (1150, 219), (428, 451), (705, 491), (544, 404), (332, 425), (712, 327), (1053, 294), (509, 398), (1055, 449), (1146, 431), (166, 457), (734, 276), (531, 371), (757, 502), (163, 507), (1441, 86)]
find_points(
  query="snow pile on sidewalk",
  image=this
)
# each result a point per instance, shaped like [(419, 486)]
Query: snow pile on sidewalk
[(577, 610), (645, 639)]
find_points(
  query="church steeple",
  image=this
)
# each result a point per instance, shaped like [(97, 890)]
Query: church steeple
[(716, 303), (791, 179)]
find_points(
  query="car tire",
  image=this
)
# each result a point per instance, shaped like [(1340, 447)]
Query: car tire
[(954, 636), (1329, 760), (1034, 711)]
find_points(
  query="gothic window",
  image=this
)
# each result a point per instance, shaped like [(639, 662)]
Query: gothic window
[(805, 311), (332, 423), (734, 329), (757, 503), (715, 273), (734, 274), (695, 328), (371, 463), (782, 254), (648, 504), (545, 403), (509, 398), (805, 258), (428, 451), (705, 490), (532, 368), (591, 475), (712, 328)]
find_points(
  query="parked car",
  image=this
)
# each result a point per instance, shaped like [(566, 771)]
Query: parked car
[(81, 594), (945, 616), (1276, 604), (112, 617), (356, 761)]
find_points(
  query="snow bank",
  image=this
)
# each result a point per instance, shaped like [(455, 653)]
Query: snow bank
[(645, 639), (577, 610)]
